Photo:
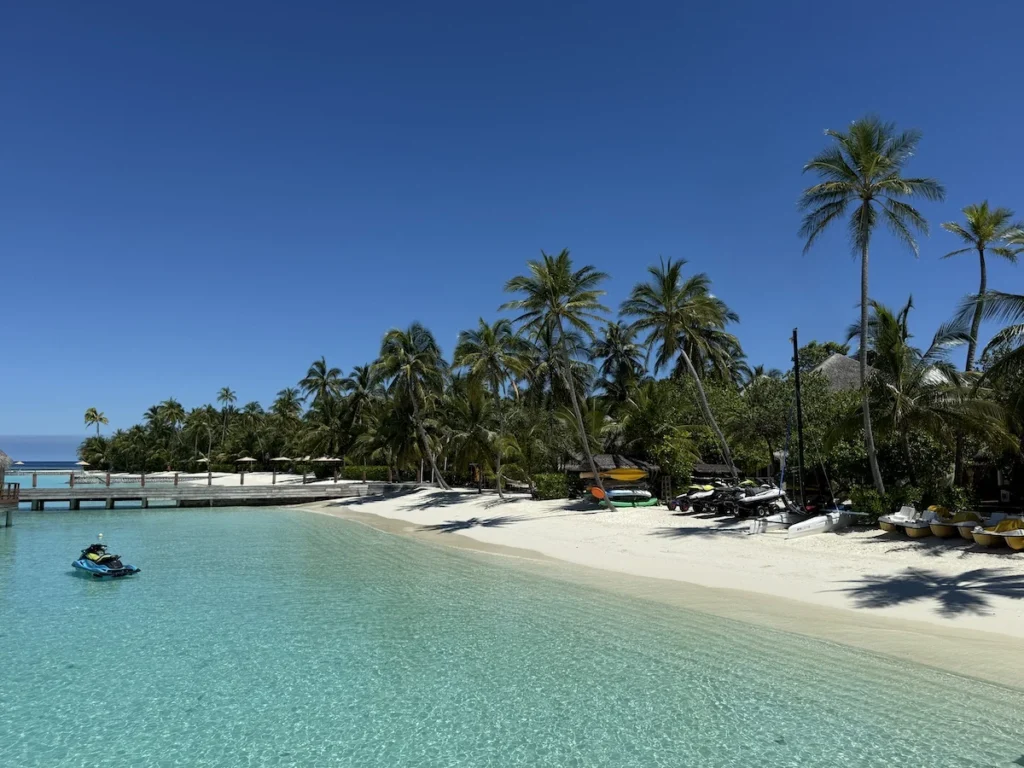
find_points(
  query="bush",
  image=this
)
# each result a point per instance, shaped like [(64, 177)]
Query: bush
[(373, 473), (552, 485)]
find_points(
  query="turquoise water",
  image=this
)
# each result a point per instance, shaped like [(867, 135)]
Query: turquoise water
[(290, 639)]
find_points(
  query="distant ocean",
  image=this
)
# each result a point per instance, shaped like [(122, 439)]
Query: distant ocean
[(38, 465), (42, 451)]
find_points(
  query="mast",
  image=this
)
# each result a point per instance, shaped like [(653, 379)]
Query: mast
[(799, 422)]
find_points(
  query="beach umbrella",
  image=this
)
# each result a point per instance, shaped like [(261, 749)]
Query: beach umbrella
[(245, 458), (82, 463), (19, 463), (281, 458)]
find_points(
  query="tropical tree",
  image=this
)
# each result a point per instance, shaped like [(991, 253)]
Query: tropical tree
[(863, 171), (1006, 307), (94, 417), (411, 360), (677, 315), (494, 354), (555, 298), (985, 230), (321, 382), (288, 404), (920, 391), (227, 399), (622, 360)]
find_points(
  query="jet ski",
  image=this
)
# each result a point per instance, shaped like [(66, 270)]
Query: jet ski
[(97, 561)]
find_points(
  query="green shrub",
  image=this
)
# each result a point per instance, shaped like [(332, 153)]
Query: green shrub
[(373, 473), (552, 485), (867, 499)]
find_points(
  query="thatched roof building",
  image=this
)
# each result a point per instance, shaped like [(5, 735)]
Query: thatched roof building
[(842, 372), (5, 460), (608, 461)]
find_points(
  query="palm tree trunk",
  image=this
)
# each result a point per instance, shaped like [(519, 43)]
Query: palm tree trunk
[(567, 374), (501, 435), (972, 347), (708, 415), (426, 446), (908, 457), (869, 438)]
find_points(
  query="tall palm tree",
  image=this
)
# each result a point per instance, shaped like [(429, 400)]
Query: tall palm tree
[(985, 230), (320, 381), (94, 417), (555, 298), (622, 359), (863, 169), (676, 314), (227, 399), (493, 354), (1006, 307), (412, 361)]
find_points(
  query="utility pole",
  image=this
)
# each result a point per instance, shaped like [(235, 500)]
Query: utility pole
[(799, 422)]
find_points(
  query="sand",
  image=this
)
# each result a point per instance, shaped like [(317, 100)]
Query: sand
[(945, 603)]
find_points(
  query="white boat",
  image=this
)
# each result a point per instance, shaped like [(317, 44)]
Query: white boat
[(830, 521), (628, 494)]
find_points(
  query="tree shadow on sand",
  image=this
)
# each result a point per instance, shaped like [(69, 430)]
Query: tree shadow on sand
[(454, 526), (728, 526), (967, 592)]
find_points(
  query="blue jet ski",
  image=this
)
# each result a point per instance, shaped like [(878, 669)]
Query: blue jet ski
[(97, 561)]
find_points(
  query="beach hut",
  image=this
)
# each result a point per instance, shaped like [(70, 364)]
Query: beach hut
[(276, 461), (244, 461), (329, 460)]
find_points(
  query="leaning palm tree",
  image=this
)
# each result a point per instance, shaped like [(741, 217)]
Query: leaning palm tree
[(556, 300), (676, 315), (863, 169), (94, 417), (1006, 307), (496, 355), (412, 361), (985, 230)]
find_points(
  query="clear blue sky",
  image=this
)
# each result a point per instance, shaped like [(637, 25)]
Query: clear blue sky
[(206, 194)]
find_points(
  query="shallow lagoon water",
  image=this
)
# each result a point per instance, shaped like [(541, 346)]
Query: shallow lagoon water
[(281, 638)]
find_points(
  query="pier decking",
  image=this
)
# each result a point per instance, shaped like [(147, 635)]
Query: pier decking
[(207, 496)]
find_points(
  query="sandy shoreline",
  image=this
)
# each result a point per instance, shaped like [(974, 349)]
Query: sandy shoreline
[(934, 602)]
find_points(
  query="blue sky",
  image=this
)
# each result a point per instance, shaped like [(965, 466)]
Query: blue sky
[(200, 195)]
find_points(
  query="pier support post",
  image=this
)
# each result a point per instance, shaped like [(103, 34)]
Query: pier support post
[(145, 503), (175, 479), (108, 479), (8, 517), (75, 504), (71, 480), (35, 478), (242, 481), (142, 479), (109, 504), (37, 506)]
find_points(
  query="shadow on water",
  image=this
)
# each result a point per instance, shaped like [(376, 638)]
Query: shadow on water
[(967, 592), (454, 526)]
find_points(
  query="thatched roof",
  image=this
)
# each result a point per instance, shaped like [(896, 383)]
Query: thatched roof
[(842, 372), (5, 460), (608, 461), (711, 470)]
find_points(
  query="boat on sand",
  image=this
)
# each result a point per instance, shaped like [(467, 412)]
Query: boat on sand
[(1007, 531), (946, 525)]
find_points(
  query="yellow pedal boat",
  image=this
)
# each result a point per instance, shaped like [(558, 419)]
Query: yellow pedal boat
[(947, 526), (994, 536)]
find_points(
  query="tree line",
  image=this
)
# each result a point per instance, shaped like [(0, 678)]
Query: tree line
[(667, 380)]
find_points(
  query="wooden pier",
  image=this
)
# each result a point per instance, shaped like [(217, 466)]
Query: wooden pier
[(9, 497), (208, 495)]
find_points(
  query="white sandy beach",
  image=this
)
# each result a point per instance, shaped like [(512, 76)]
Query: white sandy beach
[(940, 602)]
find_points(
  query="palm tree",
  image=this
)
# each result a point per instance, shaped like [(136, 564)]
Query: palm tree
[(863, 169), (1006, 307), (984, 230), (676, 314), (227, 398), (321, 382), (554, 296), (288, 404), (412, 360), (913, 390), (622, 360), (94, 417), (496, 355)]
